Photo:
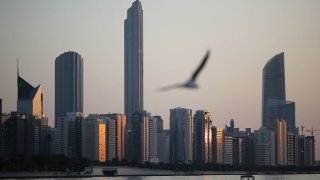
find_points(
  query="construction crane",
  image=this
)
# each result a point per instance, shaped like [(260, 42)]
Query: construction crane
[(312, 130)]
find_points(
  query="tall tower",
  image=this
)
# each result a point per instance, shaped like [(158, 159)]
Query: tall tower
[(273, 85), (181, 128), (133, 61), (202, 137), (68, 84), (30, 99)]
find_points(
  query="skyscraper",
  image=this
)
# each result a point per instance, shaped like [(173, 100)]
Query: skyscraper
[(164, 146), (281, 142), (153, 139), (217, 145), (181, 128), (292, 149), (133, 61), (94, 141), (111, 143), (265, 147), (26, 135), (120, 133), (29, 98), (1, 132), (68, 84), (227, 148), (301, 150), (309, 151), (273, 85), (69, 131), (202, 137), (138, 143)]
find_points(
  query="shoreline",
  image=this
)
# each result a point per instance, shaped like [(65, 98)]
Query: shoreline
[(51, 175)]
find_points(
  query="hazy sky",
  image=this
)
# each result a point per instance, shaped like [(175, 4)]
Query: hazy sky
[(242, 35)]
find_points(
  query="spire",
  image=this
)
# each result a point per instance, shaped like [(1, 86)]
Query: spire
[(17, 67)]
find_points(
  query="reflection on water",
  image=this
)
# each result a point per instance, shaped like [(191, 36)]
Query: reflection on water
[(206, 177), (217, 177), (135, 178)]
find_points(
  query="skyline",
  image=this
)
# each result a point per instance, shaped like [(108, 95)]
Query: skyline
[(233, 64)]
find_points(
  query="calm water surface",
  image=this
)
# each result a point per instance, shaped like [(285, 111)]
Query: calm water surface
[(209, 177), (138, 171)]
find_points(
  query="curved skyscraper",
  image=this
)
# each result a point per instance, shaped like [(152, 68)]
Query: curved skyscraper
[(133, 61), (68, 84), (273, 85)]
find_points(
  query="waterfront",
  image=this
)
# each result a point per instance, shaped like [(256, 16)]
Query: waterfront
[(205, 177), (216, 177), (129, 173)]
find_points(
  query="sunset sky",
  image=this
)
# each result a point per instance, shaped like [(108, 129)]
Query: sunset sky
[(242, 36)]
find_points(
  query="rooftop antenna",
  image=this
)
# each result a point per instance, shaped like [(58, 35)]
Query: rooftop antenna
[(302, 127), (17, 67)]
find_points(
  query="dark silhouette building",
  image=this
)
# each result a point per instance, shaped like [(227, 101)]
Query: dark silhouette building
[(138, 151), (68, 84), (133, 61), (26, 135), (273, 85), (181, 130), (202, 137), (309, 151)]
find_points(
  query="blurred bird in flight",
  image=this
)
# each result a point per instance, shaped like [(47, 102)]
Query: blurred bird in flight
[(191, 83)]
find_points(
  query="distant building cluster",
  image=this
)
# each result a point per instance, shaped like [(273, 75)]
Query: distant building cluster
[(137, 135)]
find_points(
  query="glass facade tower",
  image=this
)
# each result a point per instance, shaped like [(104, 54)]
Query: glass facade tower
[(133, 61), (68, 84), (273, 85)]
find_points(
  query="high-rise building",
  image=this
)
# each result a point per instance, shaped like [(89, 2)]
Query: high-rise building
[(236, 151), (68, 84), (301, 150), (246, 154), (111, 143), (153, 139), (29, 98), (281, 142), (159, 123), (0, 111), (54, 144), (89, 139), (133, 61), (287, 111), (217, 145), (273, 85), (93, 137), (121, 127), (69, 133), (1, 133), (26, 135), (309, 151), (164, 146), (138, 138), (102, 143), (231, 128), (292, 149), (265, 147), (280, 109), (227, 149), (181, 128), (202, 142)]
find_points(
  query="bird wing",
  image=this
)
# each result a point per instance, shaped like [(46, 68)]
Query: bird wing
[(195, 74), (166, 88)]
